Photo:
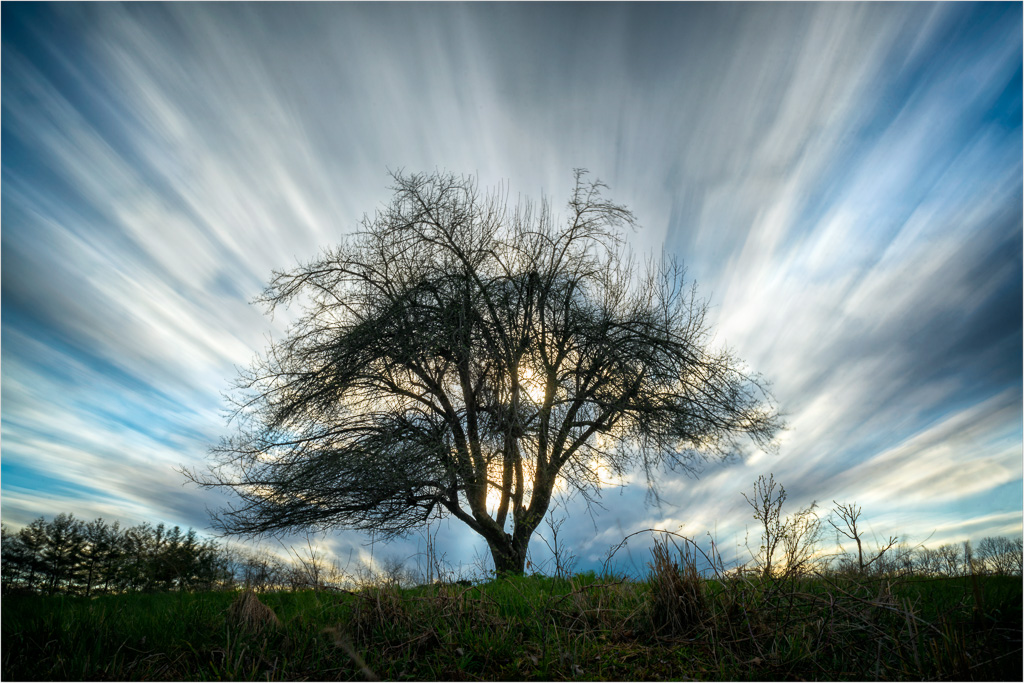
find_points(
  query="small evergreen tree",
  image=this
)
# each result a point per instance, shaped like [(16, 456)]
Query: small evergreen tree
[(62, 554)]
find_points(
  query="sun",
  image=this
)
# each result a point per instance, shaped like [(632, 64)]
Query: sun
[(493, 499), (532, 384)]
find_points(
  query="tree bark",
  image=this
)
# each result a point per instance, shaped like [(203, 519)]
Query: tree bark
[(509, 557)]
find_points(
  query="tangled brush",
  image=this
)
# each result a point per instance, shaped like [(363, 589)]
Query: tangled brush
[(247, 612)]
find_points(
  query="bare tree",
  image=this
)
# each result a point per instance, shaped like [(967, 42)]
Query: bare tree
[(767, 499), (1000, 555), (927, 561), (849, 514), (458, 356), (796, 536), (800, 541), (950, 561)]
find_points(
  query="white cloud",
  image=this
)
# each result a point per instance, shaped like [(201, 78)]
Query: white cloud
[(838, 208)]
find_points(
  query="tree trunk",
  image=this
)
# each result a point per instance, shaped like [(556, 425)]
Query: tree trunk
[(508, 559), (88, 579)]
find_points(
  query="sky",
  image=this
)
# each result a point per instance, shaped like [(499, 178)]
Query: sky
[(843, 182)]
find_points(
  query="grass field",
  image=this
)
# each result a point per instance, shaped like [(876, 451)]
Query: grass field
[(675, 625)]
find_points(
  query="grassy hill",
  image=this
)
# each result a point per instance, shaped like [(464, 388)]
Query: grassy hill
[(675, 625)]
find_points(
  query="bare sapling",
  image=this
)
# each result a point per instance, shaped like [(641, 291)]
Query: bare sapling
[(767, 499), (849, 514), (564, 558), (800, 539)]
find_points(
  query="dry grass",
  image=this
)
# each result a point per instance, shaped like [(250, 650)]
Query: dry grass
[(678, 602), (248, 613)]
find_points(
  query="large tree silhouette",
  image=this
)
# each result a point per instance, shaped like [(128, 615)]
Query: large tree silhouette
[(460, 356)]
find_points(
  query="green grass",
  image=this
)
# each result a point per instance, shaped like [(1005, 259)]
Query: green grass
[(674, 626)]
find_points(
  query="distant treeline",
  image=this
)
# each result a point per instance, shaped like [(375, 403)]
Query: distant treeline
[(994, 555), (70, 556)]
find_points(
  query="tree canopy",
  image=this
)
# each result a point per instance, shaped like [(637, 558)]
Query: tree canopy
[(462, 356)]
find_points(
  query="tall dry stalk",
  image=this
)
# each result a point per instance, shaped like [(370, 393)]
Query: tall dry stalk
[(678, 601)]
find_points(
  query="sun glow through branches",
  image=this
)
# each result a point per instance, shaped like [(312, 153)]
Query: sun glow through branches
[(532, 384)]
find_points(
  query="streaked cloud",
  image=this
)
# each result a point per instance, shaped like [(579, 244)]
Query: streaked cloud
[(843, 180)]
